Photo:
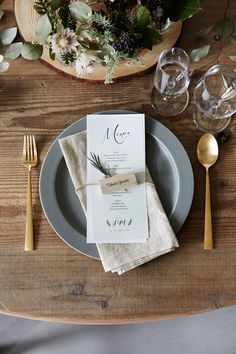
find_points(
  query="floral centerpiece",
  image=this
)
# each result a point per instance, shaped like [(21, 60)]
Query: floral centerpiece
[(87, 34)]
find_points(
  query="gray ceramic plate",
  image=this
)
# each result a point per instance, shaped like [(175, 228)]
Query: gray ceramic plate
[(168, 164)]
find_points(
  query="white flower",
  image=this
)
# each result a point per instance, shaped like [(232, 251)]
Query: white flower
[(63, 42), (85, 64)]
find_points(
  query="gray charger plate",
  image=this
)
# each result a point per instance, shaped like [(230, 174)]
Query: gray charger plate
[(168, 164)]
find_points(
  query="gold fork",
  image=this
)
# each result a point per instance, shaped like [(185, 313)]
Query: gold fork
[(29, 159)]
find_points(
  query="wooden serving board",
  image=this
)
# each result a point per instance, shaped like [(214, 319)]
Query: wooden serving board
[(26, 18)]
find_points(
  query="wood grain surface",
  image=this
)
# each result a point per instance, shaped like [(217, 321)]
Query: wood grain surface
[(55, 282)]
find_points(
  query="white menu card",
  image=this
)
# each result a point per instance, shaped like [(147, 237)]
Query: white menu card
[(119, 142)]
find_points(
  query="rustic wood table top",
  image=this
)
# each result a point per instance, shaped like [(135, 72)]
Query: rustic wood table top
[(56, 283)]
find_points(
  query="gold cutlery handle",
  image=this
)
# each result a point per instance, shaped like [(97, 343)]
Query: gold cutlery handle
[(29, 237), (208, 242)]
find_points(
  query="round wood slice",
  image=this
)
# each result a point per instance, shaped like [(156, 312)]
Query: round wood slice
[(26, 18)]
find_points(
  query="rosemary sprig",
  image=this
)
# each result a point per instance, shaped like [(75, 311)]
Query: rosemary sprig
[(96, 162)]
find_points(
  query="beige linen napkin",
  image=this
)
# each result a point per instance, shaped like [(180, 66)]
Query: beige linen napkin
[(121, 257)]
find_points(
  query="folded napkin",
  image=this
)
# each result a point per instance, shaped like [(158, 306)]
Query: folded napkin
[(125, 256)]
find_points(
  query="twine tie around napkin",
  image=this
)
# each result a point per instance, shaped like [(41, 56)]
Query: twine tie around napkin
[(125, 256)]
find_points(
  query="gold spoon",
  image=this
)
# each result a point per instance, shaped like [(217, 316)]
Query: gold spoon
[(207, 153)]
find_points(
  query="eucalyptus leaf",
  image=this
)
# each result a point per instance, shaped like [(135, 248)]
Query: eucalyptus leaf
[(1, 14), (31, 51), (232, 57), (225, 27), (4, 66), (13, 51), (43, 28), (142, 18), (233, 39), (183, 9), (205, 31), (8, 35), (200, 53), (60, 26), (80, 11)]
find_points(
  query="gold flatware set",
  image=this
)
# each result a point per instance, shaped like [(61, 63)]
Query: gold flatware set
[(207, 153)]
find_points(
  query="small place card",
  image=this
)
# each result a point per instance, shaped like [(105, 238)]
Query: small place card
[(118, 182), (118, 144)]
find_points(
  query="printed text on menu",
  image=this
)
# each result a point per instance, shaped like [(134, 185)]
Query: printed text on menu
[(118, 217)]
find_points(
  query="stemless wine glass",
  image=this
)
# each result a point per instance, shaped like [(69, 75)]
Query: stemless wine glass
[(170, 94), (215, 97)]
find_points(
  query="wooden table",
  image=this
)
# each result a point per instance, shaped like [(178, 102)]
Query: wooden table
[(56, 283)]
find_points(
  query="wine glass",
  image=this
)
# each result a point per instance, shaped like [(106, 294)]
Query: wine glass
[(170, 93), (215, 97)]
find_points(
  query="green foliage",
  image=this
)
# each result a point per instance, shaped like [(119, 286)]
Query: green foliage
[(69, 58), (111, 61), (232, 57), (96, 163), (55, 4), (205, 31), (233, 39), (216, 34), (51, 54), (116, 32), (145, 41), (3, 65), (13, 51), (31, 51), (111, 35), (126, 16), (148, 38), (154, 36), (181, 10), (80, 11), (43, 28), (10, 51), (68, 21), (1, 47), (42, 6), (8, 35), (1, 14), (142, 19), (101, 20), (200, 53), (225, 27)]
